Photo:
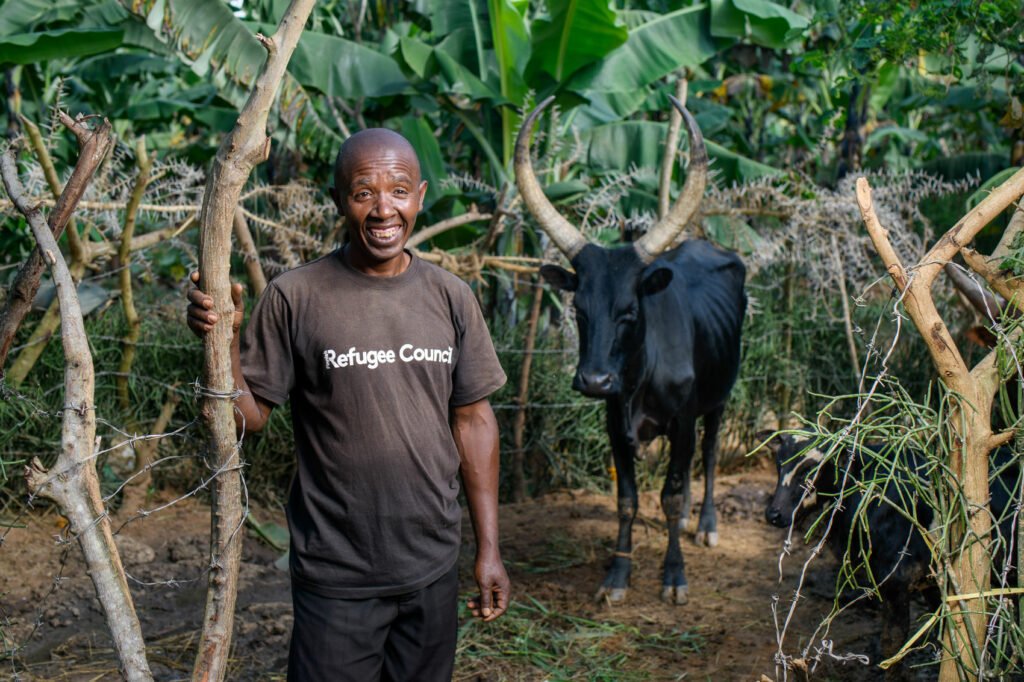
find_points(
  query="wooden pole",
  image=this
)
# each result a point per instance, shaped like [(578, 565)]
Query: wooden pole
[(72, 482), (245, 146), (968, 426)]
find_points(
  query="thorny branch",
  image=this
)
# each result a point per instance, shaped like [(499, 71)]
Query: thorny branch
[(77, 494), (95, 143)]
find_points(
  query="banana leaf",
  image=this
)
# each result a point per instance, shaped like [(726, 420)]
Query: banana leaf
[(29, 48)]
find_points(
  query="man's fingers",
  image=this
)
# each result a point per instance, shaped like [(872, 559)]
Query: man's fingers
[(200, 299), (501, 603), (489, 605), (236, 295), (485, 602)]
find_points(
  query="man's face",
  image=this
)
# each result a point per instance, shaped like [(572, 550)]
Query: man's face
[(379, 191)]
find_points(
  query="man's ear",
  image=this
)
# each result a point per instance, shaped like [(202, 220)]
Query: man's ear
[(423, 194), (333, 191)]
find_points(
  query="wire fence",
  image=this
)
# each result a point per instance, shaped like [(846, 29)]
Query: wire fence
[(796, 359)]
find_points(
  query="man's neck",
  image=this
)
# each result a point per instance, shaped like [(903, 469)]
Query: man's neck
[(390, 268)]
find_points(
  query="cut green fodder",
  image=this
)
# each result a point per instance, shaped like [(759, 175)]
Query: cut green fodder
[(533, 642)]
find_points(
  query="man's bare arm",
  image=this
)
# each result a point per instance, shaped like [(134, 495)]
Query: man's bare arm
[(476, 436), (251, 411)]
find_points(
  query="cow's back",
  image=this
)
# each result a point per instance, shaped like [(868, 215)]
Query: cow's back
[(705, 303)]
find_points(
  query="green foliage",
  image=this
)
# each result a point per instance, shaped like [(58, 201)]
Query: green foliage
[(887, 32), (764, 23), (884, 414), (566, 445), (618, 84), (577, 33), (562, 647), (28, 48)]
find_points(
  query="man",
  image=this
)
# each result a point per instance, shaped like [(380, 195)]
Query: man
[(388, 365)]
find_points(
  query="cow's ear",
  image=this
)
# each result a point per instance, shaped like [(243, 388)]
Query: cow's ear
[(655, 281), (559, 278), (773, 440)]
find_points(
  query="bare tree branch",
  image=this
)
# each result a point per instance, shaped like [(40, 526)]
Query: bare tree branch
[(245, 146), (72, 482), (1015, 227), (961, 234), (124, 255), (95, 146), (471, 216), (981, 299), (968, 424), (249, 253), (1008, 288)]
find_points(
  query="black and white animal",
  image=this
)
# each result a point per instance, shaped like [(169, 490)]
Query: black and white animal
[(659, 337), (891, 549)]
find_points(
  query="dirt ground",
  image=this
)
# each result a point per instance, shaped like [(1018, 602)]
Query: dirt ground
[(556, 548)]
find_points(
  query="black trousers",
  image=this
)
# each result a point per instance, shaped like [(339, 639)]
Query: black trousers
[(404, 638)]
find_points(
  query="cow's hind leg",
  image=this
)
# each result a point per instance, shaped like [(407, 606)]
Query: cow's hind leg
[(674, 589), (616, 581), (707, 524)]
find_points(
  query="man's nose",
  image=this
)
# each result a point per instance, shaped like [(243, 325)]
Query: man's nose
[(384, 208)]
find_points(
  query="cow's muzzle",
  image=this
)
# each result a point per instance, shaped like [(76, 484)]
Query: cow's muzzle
[(595, 385), (775, 516)]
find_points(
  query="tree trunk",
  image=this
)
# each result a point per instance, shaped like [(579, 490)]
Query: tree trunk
[(244, 147), (124, 258), (250, 255), (968, 570), (72, 482)]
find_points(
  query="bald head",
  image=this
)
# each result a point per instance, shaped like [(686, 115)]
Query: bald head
[(370, 142)]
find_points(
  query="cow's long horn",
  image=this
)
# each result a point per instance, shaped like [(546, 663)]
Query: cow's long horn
[(664, 232), (565, 236)]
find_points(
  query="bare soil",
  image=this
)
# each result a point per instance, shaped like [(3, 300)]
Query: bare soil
[(556, 548)]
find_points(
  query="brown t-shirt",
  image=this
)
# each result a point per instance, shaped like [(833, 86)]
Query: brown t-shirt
[(372, 366)]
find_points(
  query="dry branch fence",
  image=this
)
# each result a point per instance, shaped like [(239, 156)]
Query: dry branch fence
[(815, 232)]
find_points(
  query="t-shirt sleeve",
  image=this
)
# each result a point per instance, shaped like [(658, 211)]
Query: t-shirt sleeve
[(478, 372), (267, 360)]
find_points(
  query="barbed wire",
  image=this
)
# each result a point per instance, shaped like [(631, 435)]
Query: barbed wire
[(877, 360)]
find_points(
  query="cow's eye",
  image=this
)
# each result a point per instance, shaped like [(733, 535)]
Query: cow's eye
[(628, 317)]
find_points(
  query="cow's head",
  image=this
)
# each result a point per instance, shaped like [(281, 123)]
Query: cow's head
[(796, 462), (609, 285)]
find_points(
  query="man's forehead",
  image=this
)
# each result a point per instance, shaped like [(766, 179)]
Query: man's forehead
[(389, 154), (365, 176)]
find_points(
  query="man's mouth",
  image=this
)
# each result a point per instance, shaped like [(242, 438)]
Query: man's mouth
[(385, 234)]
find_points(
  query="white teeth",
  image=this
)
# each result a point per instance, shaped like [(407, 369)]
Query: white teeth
[(384, 235)]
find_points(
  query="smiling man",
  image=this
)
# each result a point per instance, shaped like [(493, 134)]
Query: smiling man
[(387, 363)]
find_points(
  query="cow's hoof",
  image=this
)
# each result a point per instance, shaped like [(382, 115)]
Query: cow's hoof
[(675, 594), (706, 538), (612, 595), (686, 525)]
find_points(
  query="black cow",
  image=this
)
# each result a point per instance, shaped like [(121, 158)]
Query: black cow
[(891, 548), (659, 342)]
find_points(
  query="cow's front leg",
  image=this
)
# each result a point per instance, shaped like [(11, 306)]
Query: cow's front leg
[(707, 524), (674, 502), (616, 581)]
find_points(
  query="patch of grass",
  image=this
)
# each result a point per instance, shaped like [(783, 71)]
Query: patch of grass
[(532, 641), (561, 552)]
